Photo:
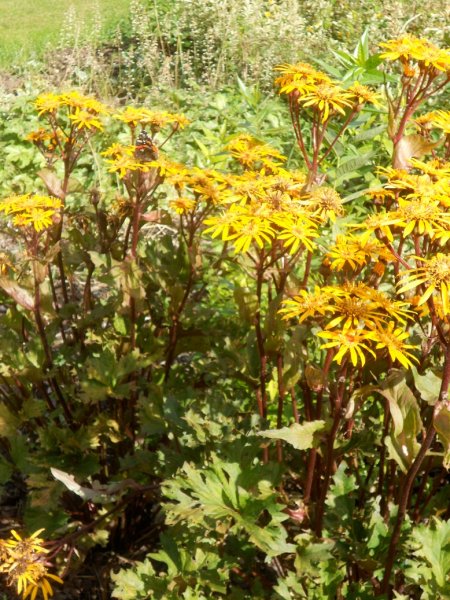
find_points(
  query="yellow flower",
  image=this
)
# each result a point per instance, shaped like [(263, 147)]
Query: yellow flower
[(76, 101), (248, 231), (207, 184), (424, 217), (378, 222), (352, 342), (364, 94), (348, 252), (434, 276), (409, 48), (306, 304), (327, 99), (298, 232), (353, 311), (23, 561), (441, 120), (223, 225), (28, 209), (48, 103), (125, 164), (182, 205), (392, 338), (250, 152), (118, 150), (299, 77), (155, 119), (84, 119), (326, 202)]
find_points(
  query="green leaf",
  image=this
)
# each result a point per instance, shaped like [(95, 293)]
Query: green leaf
[(441, 422), (223, 494), (299, 436), (351, 166), (431, 545), (407, 423), (429, 385)]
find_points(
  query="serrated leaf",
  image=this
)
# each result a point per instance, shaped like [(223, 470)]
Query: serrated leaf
[(432, 544), (221, 493)]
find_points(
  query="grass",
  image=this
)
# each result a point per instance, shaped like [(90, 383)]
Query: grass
[(27, 28)]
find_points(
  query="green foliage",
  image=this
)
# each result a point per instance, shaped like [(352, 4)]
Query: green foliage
[(158, 401), (430, 567)]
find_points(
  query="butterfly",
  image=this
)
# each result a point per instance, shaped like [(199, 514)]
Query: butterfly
[(145, 148)]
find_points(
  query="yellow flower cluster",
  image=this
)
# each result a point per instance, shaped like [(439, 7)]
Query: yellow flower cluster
[(23, 561), (316, 90), (351, 252), (40, 212), (267, 205), (253, 154), (154, 119), (83, 111), (410, 50), (357, 319), (122, 160)]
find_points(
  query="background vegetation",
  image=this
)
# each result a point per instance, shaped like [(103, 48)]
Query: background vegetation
[(176, 421)]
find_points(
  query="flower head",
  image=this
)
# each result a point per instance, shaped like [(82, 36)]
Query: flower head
[(434, 276), (24, 562), (34, 210)]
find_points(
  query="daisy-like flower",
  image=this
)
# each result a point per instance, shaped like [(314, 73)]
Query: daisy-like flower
[(118, 150), (48, 103), (306, 304), (434, 276), (84, 119), (327, 99), (250, 152), (155, 119), (223, 225), (364, 95), (29, 209), (76, 101), (183, 205), (352, 311), (424, 217), (207, 185), (382, 222), (410, 48), (325, 201), (251, 230), (347, 253), (392, 309), (299, 77), (297, 232), (392, 338), (23, 561), (125, 164), (440, 119), (351, 342)]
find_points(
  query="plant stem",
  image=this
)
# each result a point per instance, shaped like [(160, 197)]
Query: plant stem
[(281, 395), (337, 417), (412, 472)]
